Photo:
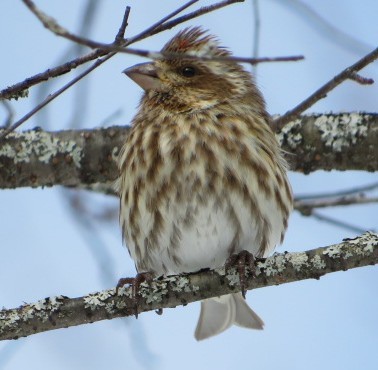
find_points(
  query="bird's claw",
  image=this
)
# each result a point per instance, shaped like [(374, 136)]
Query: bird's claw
[(135, 285), (240, 261)]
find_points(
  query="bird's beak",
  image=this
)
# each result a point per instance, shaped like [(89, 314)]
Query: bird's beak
[(145, 75)]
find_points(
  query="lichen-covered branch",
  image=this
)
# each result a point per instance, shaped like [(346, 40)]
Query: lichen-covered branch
[(62, 312), (345, 141), (72, 158)]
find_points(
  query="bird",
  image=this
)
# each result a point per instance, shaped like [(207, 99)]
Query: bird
[(202, 176)]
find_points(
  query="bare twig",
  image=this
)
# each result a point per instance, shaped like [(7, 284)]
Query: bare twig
[(342, 224), (203, 10), (19, 90), (339, 193), (54, 27), (51, 97), (306, 207), (347, 73), (360, 79), (52, 24), (49, 22), (119, 39), (62, 312), (157, 27)]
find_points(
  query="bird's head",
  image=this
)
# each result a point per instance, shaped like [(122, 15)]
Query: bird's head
[(180, 84)]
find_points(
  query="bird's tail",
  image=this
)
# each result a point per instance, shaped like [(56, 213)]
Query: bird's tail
[(218, 314)]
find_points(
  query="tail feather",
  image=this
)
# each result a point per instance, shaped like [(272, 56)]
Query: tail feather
[(218, 314)]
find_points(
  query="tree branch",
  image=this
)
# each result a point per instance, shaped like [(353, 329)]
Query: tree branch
[(20, 89), (344, 141), (117, 46), (306, 207), (348, 73), (62, 312), (78, 158)]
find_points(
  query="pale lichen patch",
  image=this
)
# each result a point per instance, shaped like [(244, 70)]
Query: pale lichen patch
[(49, 304), (8, 151), (93, 301), (271, 266), (233, 277), (317, 262), (55, 303), (181, 284), (342, 130), (347, 254), (153, 292), (9, 321), (27, 313), (41, 310), (288, 135), (368, 242), (124, 291), (334, 251), (110, 308), (13, 318), (298, 260), (120, 305), (42, 145), (361, 246)]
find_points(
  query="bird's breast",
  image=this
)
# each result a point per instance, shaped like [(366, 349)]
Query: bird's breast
[(192, 194)]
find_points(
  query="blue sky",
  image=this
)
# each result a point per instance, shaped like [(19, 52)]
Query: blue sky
[(49, 249)]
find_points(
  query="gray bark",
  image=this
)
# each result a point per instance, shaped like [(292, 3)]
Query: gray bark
[(62, 312), (80, 158)]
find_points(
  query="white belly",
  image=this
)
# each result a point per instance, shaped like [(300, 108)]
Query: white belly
[(202, 233)]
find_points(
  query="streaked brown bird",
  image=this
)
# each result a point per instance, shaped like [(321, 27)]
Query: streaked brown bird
[(202, 176)]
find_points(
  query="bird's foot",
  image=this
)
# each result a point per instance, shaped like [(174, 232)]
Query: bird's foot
[(240, 261), (135, 285)]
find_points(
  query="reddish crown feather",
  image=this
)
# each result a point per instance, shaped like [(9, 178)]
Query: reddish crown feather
[(195, 41)]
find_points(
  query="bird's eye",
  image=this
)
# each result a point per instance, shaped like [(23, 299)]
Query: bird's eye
[(188, 71)]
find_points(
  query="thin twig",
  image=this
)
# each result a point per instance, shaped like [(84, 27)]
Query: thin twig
[(51, 97), (52, 25), (203, 10), (90, 69), (57, 29), (121, 32), (360, 79), (338, 223), (12, 92), (347, 73), (356, 190), (306, 207), (19, 90), (153, 29)]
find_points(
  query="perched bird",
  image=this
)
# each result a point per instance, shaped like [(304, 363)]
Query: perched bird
[(202, 176)]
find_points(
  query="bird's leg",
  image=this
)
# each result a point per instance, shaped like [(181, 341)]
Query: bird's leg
[(135, 284), (240, 261)]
